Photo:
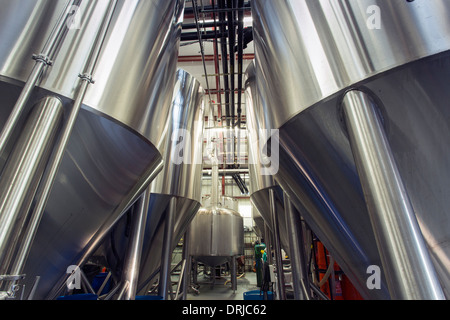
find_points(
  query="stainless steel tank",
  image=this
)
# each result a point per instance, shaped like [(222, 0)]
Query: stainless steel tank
[(308, 55), (114, 149), (216, 235), (180, 179)]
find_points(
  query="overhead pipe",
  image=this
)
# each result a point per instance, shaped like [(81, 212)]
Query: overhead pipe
[(231, 42), (214, 181), (213, 24), (240, 48), (165, 279), (209, 57), (55, 162), (218, 89), (207, 35), (213, 9), (238, 183), (216, 67), (187, 267), (202, 50), (218, 83), (180, 285), (229, 105), (405, 258), (43, 60)]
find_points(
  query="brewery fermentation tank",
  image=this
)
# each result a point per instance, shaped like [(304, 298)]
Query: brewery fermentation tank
[(331, 68), (114, 148), (216, 234), (180, 179)]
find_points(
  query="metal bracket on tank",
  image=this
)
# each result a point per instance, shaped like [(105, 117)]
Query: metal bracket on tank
[(43, 58), (86, 77)]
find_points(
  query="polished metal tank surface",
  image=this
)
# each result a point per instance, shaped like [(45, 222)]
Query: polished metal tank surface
[(114, 149), (217, 234), (180, 179), (403, 62)]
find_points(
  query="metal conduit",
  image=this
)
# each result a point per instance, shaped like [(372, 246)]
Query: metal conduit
[(297, 252), (223, 45), (405, 259), (277, 246)]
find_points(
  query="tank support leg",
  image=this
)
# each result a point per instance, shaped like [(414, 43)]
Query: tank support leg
[(22, 174), (277, 247), (297, 254)]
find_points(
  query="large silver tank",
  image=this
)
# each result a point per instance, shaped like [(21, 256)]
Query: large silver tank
[(216, 234), (118, 133), (181, 180), (309, 53)]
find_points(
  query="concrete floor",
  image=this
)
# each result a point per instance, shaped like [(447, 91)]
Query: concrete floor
[(221, 290)]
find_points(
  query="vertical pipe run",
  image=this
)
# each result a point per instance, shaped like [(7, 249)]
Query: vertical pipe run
[(406, 262), (240, 50), (23, 172), (133, 261), (216, 65), (164, 281), (277, 246), (297, 252)]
